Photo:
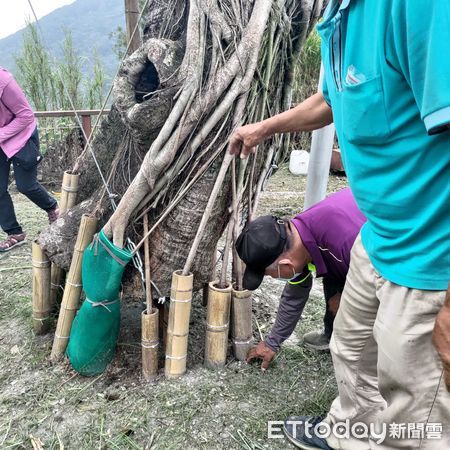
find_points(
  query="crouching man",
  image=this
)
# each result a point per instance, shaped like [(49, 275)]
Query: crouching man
[(319, 239)]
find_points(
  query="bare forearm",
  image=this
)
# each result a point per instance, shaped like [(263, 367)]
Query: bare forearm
[(312, 114)]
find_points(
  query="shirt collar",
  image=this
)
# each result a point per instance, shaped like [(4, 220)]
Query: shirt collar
[(331, 11)]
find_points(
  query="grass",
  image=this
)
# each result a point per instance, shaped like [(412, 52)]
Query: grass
[(205, 409)]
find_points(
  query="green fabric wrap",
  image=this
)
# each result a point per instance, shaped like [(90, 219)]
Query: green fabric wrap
[(95, 329)]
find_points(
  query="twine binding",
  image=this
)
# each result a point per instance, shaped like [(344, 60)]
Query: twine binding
[(69, 188), (103, 303), (176, 357)]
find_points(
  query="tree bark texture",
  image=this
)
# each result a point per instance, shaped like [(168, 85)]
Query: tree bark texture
[(205, 67)]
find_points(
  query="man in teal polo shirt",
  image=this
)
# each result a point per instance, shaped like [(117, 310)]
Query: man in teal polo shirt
[(387, 88)]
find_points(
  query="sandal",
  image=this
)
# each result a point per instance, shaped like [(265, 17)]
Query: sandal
[(13, 240)]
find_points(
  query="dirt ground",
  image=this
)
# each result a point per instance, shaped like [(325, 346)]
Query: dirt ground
[(51, 407)]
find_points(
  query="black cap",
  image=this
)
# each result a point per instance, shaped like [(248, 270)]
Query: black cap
[(259, 245)]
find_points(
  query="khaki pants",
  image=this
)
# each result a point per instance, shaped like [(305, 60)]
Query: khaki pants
[(387, 369)]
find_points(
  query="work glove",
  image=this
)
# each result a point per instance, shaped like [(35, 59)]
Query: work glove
[(441, 337), (261, 351)]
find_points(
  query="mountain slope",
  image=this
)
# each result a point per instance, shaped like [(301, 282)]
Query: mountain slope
[(90, 23)]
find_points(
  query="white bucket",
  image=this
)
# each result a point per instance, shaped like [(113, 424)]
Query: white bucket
[(298, 162)]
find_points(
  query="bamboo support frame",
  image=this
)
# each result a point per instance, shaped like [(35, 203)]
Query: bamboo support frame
[(41, 290), (241, 322), (178, 324), (217, 325), (69, 192), (150, 343), (72, 291)]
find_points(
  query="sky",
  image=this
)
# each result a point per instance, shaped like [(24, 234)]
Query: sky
[(15, 13)]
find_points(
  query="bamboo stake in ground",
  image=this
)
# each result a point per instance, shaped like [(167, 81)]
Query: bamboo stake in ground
[(217, 325), (178, 325), (148, 280), (69, 192), (241, 322), (149, 321), (72, 290), (41, 290), (150, 343), (181, 292)]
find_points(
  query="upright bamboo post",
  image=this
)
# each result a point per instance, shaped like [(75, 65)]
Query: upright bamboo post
[(41, 289), (149, 321), (150, 343), (217, 325), (72, 290), (241, 322), (178, 325), (69, 192)]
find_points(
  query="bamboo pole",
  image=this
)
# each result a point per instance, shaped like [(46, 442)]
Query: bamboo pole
[(241, 322), (217, 325), (41, 290), (178, 324), (149, 321), (150, 343), (72, 290), (148, 281), (69, 192)]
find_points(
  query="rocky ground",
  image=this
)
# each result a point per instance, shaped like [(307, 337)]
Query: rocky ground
[(50, 406)]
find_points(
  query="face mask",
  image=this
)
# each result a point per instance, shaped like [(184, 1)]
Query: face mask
[(295, 274)]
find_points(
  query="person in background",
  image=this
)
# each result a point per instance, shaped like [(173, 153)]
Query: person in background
[(19, 146), (318, 239)]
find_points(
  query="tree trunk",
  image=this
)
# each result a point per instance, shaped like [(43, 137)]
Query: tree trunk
[(205, 67)]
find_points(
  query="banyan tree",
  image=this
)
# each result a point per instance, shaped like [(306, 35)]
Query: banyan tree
[(204, 68)]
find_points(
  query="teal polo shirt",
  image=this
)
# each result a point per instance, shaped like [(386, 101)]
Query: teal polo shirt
[(387, 79)]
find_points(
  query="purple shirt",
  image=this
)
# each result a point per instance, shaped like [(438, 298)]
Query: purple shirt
[(328, 230), (17, 121)]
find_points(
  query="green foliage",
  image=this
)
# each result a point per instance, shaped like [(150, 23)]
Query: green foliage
[(95, 86), (307, 72), (70, 76), (306, 81), (34, 73), (119, 39), (48, 83)]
